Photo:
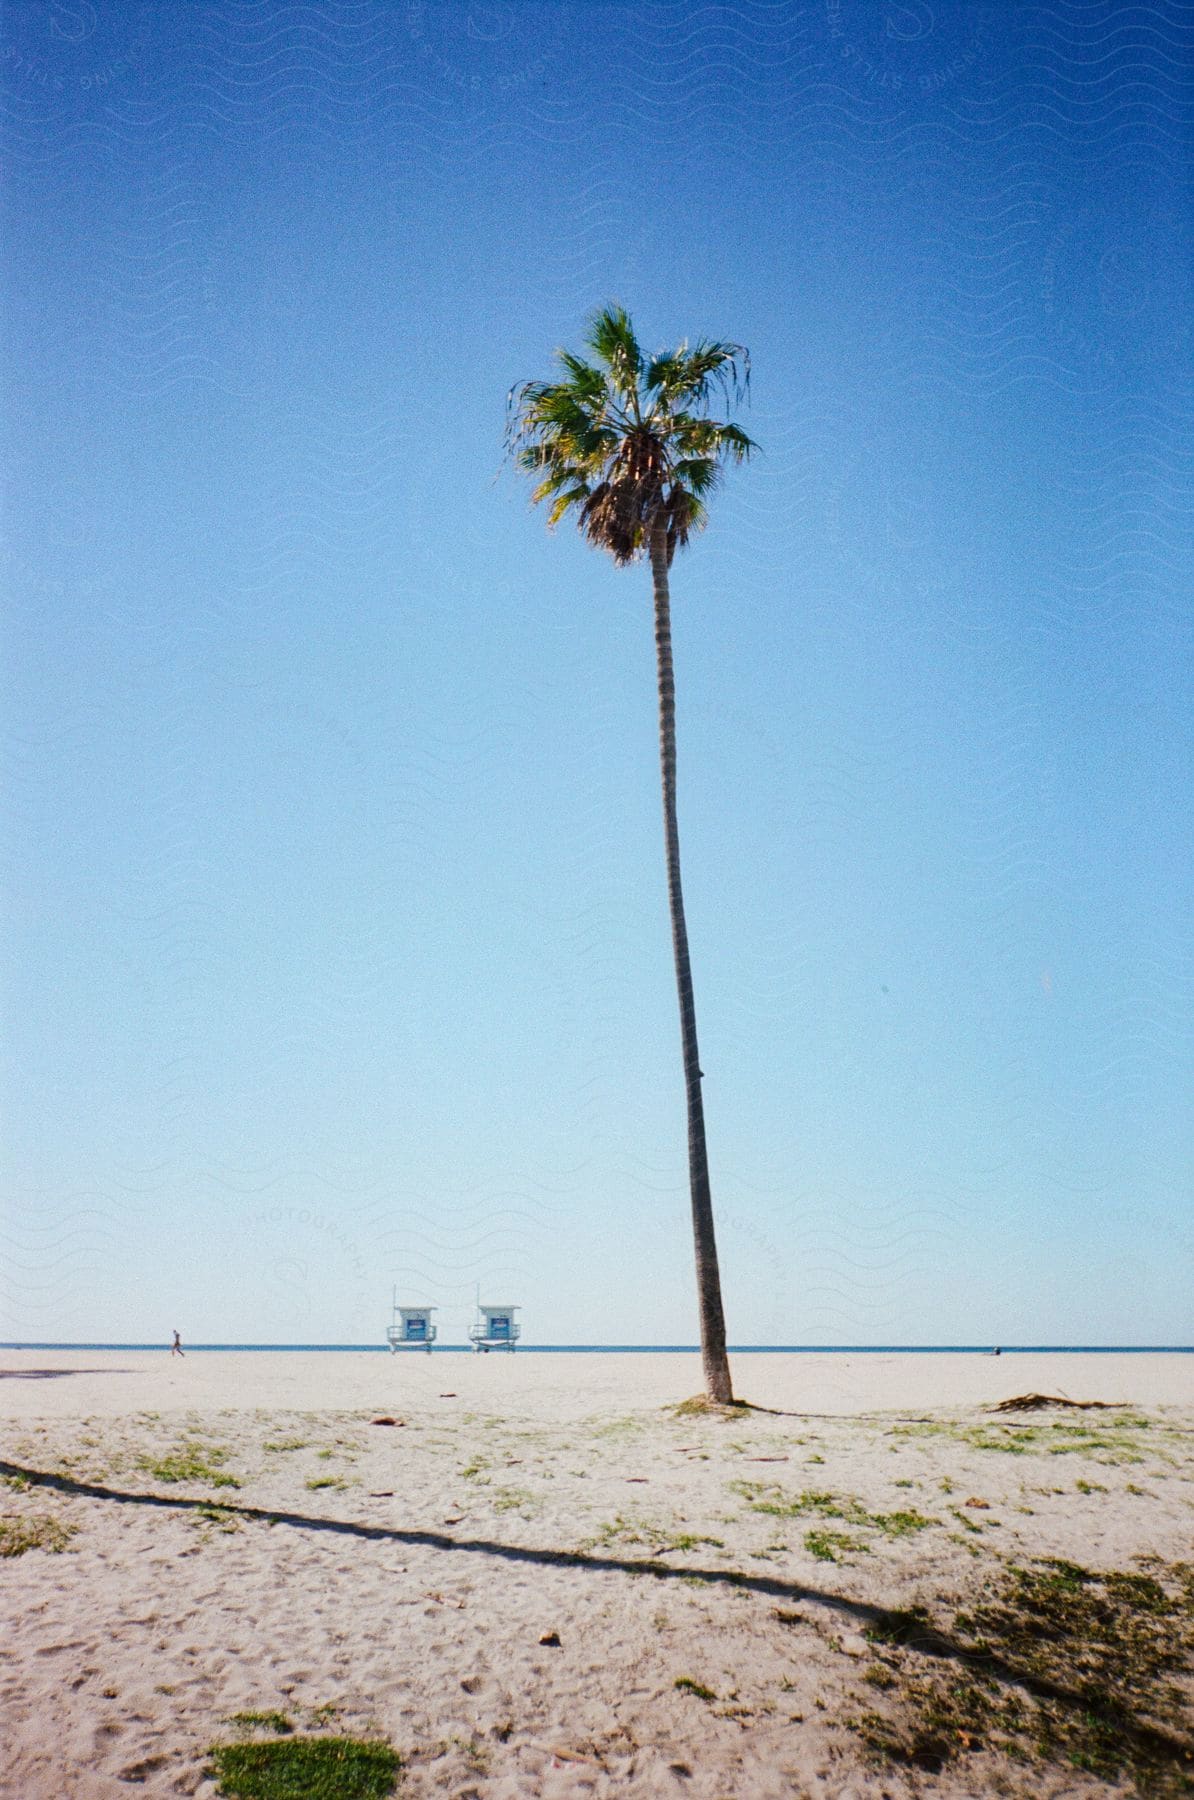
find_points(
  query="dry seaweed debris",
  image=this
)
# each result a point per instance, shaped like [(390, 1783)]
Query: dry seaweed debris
[(1036, 1403)]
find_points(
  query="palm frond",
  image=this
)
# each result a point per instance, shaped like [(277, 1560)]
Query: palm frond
[(562, 475), (683, 376), (685, 515), (691, 434), (573, 496), (587, 382), (733, 441), (611, 335), (699, 474)]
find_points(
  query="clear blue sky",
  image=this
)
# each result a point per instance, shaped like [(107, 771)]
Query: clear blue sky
[(335, 933)]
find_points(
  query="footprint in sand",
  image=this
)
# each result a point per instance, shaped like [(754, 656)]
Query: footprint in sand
[(148, 1765)]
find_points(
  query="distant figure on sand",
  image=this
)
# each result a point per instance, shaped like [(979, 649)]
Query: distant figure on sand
[(176, 1348)]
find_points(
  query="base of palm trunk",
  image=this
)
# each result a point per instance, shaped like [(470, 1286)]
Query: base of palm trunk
[(701, 1403), (718, 1385)]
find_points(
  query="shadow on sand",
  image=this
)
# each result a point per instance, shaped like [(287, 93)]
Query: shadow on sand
[(56, 1374), (924, 1637)]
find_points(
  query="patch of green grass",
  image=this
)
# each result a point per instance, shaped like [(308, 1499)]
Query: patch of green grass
[(34, 1531), (615, 1531), (1114, 1443), (1056, 1574), (513, 1500), (689, 1540), (284, 1444), (767, 1497), (326, 1481), (1054, 1663), (653, 1537), (764, 1497), (266, 1721), (472, 1748), (901, 1524), (20, 1484), (687, 1685), (616, 1428), (220, 1516), (192, 1461), (1141, 1593), (316, 1768), (833, 1546)]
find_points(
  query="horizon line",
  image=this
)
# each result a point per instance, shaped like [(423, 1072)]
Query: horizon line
[(632, 1349)]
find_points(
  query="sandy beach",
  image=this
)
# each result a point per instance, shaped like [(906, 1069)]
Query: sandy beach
[(541, 1579)]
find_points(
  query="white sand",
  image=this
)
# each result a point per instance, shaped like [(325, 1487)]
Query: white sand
[(56, 1384), (405, 1575)]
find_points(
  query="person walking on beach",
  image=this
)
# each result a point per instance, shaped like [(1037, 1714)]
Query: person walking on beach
[(176, 1348)]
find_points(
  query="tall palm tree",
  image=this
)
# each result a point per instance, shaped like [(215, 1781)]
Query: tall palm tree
[(627, 443)]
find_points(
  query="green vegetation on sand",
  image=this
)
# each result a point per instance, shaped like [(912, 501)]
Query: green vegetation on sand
[(320, 1768), (1053, 1663), (33, 1531), (687, 1685), (191, 1461), (768, 1497), (832, 1546)]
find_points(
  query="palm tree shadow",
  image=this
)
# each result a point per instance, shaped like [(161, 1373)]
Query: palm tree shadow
[(913, 1631), (442, 1540), (699, 1407)]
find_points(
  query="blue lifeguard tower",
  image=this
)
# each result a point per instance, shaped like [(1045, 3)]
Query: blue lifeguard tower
[(496, 1328), (411, 1328)]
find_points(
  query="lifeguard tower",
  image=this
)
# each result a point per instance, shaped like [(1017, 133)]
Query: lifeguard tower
[(496, 1328), (411, 1328)]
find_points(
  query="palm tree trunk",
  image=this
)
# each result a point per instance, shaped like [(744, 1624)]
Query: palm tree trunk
[(713, 1329)]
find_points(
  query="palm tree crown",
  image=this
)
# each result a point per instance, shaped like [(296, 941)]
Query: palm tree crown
[(627, 440)]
